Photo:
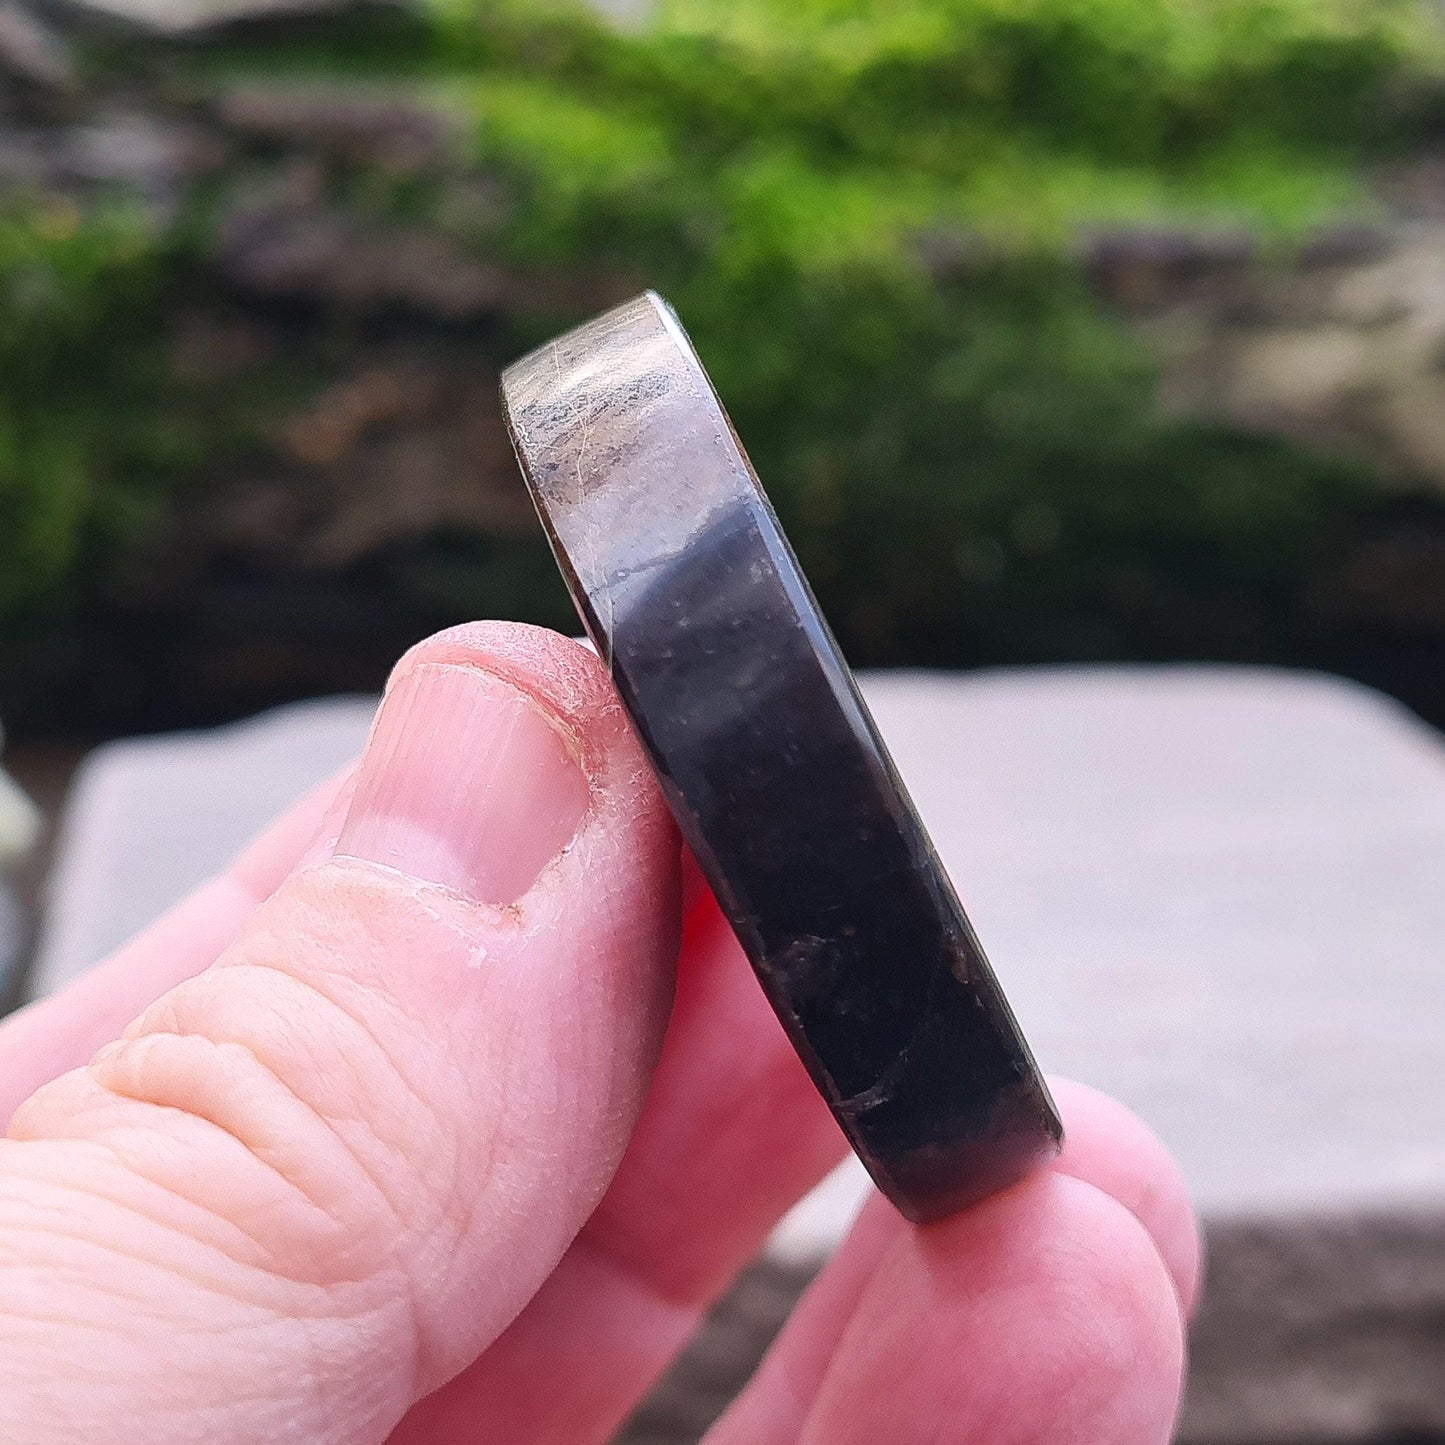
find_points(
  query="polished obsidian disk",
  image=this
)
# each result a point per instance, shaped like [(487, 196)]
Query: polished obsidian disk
[(770, 761)]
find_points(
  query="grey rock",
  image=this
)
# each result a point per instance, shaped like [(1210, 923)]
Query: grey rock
[(1340, 348), (1324, 1325), (1144, 270), (31, 51), (350, 123), (308, 252), (109, 150), (333, 498), (183, 17), (1336, 342)]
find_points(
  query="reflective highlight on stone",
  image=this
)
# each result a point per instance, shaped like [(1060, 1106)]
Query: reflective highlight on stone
[(771, 763)]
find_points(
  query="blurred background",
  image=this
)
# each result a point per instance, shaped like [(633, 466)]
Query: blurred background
[(1061, 331)]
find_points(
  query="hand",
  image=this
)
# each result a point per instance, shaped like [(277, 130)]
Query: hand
[(402, 1143)]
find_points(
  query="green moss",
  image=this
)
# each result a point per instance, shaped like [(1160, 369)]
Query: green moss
[(1018, 115), (969, 455), (88, 444), (971, 463)]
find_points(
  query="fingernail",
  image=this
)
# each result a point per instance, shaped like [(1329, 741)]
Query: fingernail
[(464, 782)]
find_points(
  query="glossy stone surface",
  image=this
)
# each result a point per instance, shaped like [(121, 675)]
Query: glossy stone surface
[(771, 763)]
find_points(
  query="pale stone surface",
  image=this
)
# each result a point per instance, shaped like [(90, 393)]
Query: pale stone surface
[(1216, 893), (149, 818), (19, 821), (1221, 896)]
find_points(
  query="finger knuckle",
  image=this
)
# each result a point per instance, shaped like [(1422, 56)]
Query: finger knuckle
[(295, 1122)]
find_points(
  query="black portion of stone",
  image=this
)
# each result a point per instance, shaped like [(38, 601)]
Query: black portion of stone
[(771, 763)]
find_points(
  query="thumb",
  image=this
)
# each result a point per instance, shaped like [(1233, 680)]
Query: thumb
[(313, 1182)]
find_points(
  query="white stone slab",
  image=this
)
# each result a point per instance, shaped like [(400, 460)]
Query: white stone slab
[(149, 818), (1201, 887), (1217, 893)]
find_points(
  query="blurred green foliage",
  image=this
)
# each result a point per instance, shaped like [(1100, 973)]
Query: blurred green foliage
[(89, 446), (841, 125), (870, 215)]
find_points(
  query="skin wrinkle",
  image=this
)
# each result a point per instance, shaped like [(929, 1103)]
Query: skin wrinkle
[(611, 805), (405, 1290), (318, 1382), (335, 1008), (127, 1170), (349, 1150), (93, 1282), (136, 1052), (268, 1323), (351, 1017), (100, 1282), (266, 961), (140, 1303), (254, 1150), (309, 1419)]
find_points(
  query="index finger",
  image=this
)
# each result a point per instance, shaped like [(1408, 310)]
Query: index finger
[(1051, 1312)]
